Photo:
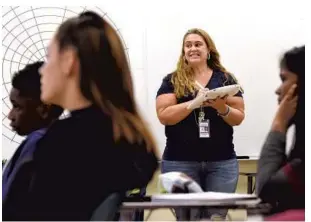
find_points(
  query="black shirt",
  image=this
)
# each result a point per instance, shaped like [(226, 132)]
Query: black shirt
[(183, 142), (77, 164)]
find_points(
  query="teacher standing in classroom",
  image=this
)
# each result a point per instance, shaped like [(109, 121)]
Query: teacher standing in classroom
[(207, 157)]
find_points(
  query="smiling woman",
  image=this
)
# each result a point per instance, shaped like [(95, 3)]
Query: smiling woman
[(200, 141)]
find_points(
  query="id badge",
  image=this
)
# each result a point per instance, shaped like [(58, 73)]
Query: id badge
[(204, 129)]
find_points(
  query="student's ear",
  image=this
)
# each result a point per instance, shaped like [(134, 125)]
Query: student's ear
[(43, 110)]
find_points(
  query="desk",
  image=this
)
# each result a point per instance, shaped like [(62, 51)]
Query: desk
[(252, 205), (248, 169), (191, 204)]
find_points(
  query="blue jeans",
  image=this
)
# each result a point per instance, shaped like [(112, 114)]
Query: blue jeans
[(220, 176)]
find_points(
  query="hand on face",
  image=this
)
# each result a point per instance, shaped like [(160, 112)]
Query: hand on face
[(287, 108)]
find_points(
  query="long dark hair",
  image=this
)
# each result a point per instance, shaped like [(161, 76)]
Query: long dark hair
[(105, 73), (294, 61)]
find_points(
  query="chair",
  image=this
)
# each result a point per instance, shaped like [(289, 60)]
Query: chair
[(109, 208), (137, 214)]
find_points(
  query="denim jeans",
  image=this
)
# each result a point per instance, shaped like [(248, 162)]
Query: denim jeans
[(220, 176)]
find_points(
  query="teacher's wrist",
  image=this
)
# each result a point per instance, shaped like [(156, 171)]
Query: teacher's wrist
[(223, 109)]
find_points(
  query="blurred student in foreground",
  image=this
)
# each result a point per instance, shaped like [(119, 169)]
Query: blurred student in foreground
[(104, 146), (281, 177), (29, 117)]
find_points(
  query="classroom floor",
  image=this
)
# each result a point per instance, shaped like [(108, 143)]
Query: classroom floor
[(237, 215)]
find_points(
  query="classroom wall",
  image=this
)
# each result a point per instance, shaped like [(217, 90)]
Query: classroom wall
[(250, 40)]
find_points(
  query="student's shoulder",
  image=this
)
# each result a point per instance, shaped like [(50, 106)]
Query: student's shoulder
[(37, 134), (80, 128), (33, 138), (59, 125)]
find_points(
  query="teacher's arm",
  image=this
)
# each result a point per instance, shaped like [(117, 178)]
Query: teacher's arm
[(168, 111), (236, 114), (231, 109)]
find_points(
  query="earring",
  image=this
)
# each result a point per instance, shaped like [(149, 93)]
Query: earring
[(209, 56)]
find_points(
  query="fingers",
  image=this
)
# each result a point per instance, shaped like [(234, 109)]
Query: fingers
[(225, 97), (222, 98), (217, 98), (290, 101), (295, 101), (211, 101), (290, 95), (206, 104), (291, 91)]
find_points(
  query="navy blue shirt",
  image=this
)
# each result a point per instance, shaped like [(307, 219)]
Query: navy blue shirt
[(183, 142), (24, 153)]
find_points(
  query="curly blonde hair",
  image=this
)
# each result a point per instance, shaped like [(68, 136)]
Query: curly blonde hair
[(183, 78)]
